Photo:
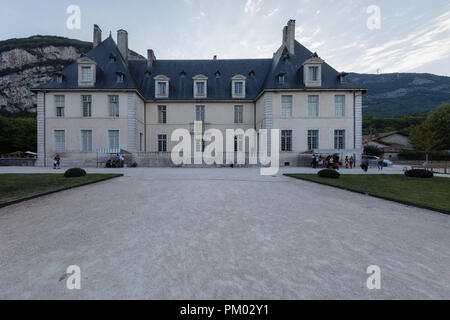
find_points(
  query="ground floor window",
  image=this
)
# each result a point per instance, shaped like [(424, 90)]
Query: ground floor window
[(313, 139), (162, 143), (60, 140), (86, 140), (114, 140), (286, 140), (239, 143), (339, 139)]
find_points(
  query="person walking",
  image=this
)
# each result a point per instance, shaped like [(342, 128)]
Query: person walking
[(365, 165), (380, 163), (346, 162)]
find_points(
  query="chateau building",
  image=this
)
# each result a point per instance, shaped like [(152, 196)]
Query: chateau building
[(109, 101)]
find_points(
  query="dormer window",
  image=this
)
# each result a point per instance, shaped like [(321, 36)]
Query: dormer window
[(312, 71), (120, 77), (217, 74), (86, 72), (112, 58), (161, 86), (238, 86), (281, 78), (200, 86), (59, 78)]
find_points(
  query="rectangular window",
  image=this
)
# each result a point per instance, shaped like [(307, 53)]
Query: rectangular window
[(60, 140), (339, 106), (339, 139), (162, 143), (200, 88), (87, 106), (60, 104), (286, 106), (114, 139), (286, 140), (86, 74), (200, 113), (313, 139), (238, 114), (86, 140), (113, 106), (238, 143), (239, 88), (162, 114), (314, 73), (313, 106), (141, 142), (162, 88)]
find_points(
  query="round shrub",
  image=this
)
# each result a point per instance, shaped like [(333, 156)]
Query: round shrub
[(419, 173), (329, 173), (74, 172)]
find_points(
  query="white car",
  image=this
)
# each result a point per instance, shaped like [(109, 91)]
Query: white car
[(374, 161)]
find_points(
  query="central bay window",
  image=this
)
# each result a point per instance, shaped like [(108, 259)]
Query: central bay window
[(86, 140), (339, 139), (60, 140), (200, 86), (286, 140), (286, 106), (114, 139), (313, 73), (162, 143), (86, 74), (313, 139), (60, 104), (238, 114), (238, 86), (162, 114), (113, 106), (313, 106), (339, 106), (86, 106), (200, 113)]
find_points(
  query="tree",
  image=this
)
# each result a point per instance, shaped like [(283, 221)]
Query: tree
[(434, 133), (372, 150)]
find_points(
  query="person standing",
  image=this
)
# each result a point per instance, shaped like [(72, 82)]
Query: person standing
[(346, 162), (380, 163), (351, 161), (57, 162)]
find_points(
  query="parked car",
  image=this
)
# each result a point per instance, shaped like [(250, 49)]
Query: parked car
[(374, 161)]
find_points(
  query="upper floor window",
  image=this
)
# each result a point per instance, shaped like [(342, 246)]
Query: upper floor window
[(313, 106), (200, 86), (313, 73), (59, 78), (161, 86), (281, 78), (238, 114), (60, 105), (162, 114), (238, 86), (113, 106), (339, 106), (86, 71), (120, 77), (86, 106), (200, 113), (286, 106), (86, 74)]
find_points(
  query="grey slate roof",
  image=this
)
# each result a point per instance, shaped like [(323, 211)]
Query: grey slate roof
[(260, 73)]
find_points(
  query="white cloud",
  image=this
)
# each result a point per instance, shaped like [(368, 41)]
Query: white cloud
[(253, 6), (272, 12)]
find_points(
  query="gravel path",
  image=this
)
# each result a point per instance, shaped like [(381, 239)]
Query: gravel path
[(220, 234)]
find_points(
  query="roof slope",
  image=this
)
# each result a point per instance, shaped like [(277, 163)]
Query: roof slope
[(260, 74)]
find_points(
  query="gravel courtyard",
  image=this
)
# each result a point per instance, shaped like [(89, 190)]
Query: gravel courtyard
[(220, 234)]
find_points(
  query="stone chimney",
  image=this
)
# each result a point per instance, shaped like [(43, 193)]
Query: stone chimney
[(97, 36), (215, 57), (151, 58), (285, 35), (122, 44), (290, 37)]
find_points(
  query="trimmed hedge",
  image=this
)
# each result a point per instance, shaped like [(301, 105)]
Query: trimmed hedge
[(419, 173), (74, 173), (419, 155), (329, 173)]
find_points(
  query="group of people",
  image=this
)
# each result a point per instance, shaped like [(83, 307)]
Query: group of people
[(117, 161), (331, 161), (57, 162)]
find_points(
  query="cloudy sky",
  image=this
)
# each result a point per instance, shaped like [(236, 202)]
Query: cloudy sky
[(413, 36)]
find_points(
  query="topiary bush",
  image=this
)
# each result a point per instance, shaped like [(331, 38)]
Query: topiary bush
[(74, 173), (329, 173), (419, 173)]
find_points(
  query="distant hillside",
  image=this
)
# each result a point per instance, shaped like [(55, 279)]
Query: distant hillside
[(398, 94), (29, 62)]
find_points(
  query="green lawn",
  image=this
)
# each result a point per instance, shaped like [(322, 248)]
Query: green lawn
[(433, 193), (19, 186)]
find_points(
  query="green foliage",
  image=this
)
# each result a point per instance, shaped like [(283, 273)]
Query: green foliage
[(329, 173), (402, 124), (419, 173), (43, 41), (74, 173), (420, 155), (17, 134), (434, 132), (372, 150)]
